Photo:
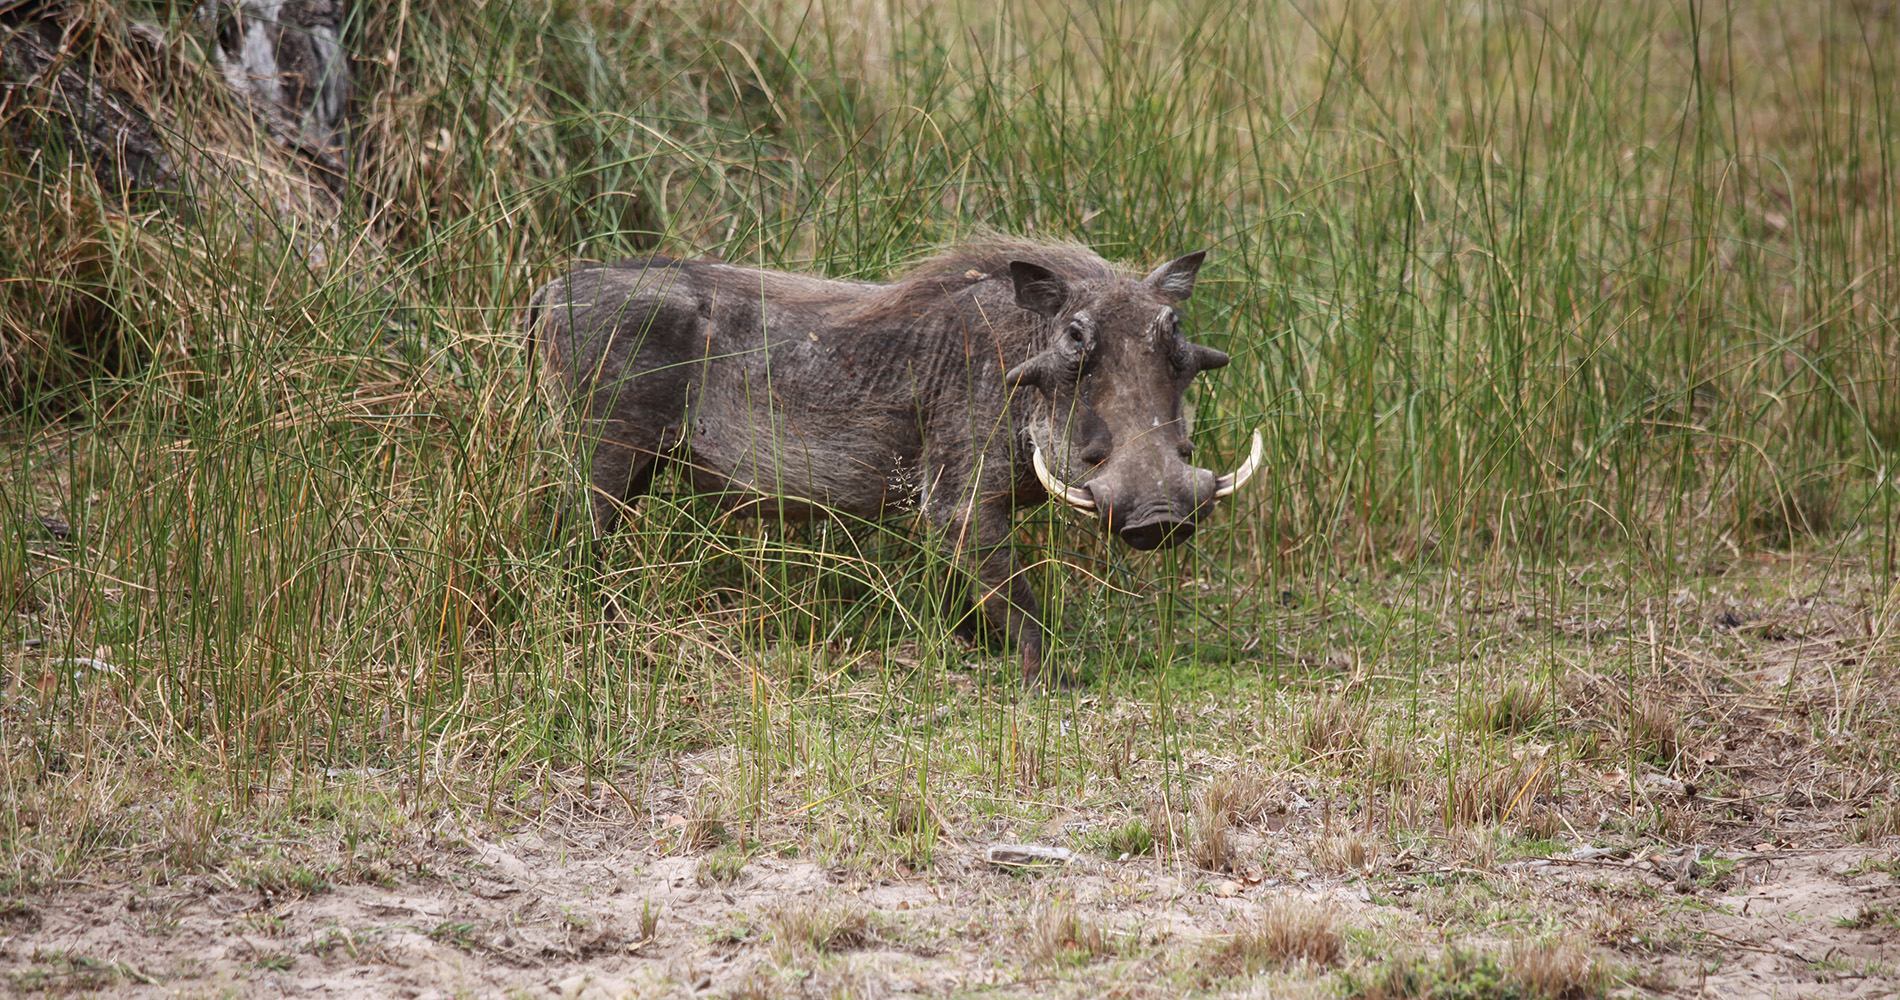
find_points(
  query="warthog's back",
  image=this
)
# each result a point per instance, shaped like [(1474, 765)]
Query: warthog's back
[(768, 384)]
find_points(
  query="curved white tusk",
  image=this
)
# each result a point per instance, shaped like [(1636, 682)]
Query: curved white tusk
[(1057, 489), (1226, 485)]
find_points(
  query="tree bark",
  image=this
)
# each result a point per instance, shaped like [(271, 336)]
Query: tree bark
[(283, 59), (286, 60), (45, 94), (82, 84)]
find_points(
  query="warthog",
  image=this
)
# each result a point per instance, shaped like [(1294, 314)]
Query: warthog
[(995, 375)]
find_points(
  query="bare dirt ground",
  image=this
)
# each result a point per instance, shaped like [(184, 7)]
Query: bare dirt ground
[(1763, 861), (587, 906)]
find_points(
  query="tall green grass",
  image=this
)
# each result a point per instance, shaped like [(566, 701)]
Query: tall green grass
[(1506, 287)]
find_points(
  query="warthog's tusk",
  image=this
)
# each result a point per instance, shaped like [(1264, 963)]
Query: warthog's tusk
[(1058, 489), (1226, 485)]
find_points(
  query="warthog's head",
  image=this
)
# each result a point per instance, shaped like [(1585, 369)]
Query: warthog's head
[(1108, 432)]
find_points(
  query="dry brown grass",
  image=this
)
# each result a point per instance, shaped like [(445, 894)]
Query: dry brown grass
[(703, 826), (1561, 970), (1058, 935), (1651, 733), (1675, 824), (1331, 728), (1210, 842), (820, 928), (1340, 853), (1285, 930), (1495, 792), (1168, 829), (1224, 803), (1239, 797), (1394, 765)]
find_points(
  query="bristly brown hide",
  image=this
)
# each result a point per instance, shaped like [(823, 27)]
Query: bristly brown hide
[(933, 394)]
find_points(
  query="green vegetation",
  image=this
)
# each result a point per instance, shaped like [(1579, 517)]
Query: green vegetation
[(1530, 973), (1572, 333)]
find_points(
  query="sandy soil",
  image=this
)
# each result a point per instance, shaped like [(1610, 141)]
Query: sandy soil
[(566, 911)]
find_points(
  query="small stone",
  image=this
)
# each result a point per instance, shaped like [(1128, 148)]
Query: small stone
[(1028, 856)]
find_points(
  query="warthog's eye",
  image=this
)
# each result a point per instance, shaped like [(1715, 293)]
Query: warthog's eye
[(1077, 334)]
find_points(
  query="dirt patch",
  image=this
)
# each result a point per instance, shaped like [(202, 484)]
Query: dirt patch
[(563, 915), (539, 916), (1821, 924)]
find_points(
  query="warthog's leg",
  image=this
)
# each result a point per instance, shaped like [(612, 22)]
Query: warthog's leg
[(1008, 600), (969, 625), (620, 462)]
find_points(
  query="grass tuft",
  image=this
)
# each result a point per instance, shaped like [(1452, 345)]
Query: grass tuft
[(1651, 733), (1226, 802), (1514, 708), (1561, 970), (1878, 821), (1533, 972), (800, 931), (722, 866), (1343, 853), (1329, 729), (1131, 839), (1059, 936), (1497, 793), (1285, 930)]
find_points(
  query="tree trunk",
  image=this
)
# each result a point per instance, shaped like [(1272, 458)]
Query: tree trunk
[(284, 58), (47, 95), (281, 58), (140, 107)]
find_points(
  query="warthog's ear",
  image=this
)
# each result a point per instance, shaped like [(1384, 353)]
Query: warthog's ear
[(1206, 359), (1038, 289), (1174, 280)]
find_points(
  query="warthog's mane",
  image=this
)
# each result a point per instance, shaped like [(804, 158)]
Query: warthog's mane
[(981, 262), (991, 254)]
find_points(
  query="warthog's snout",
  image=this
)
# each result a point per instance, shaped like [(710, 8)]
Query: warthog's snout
[(1158, 533), (1155, 518)]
